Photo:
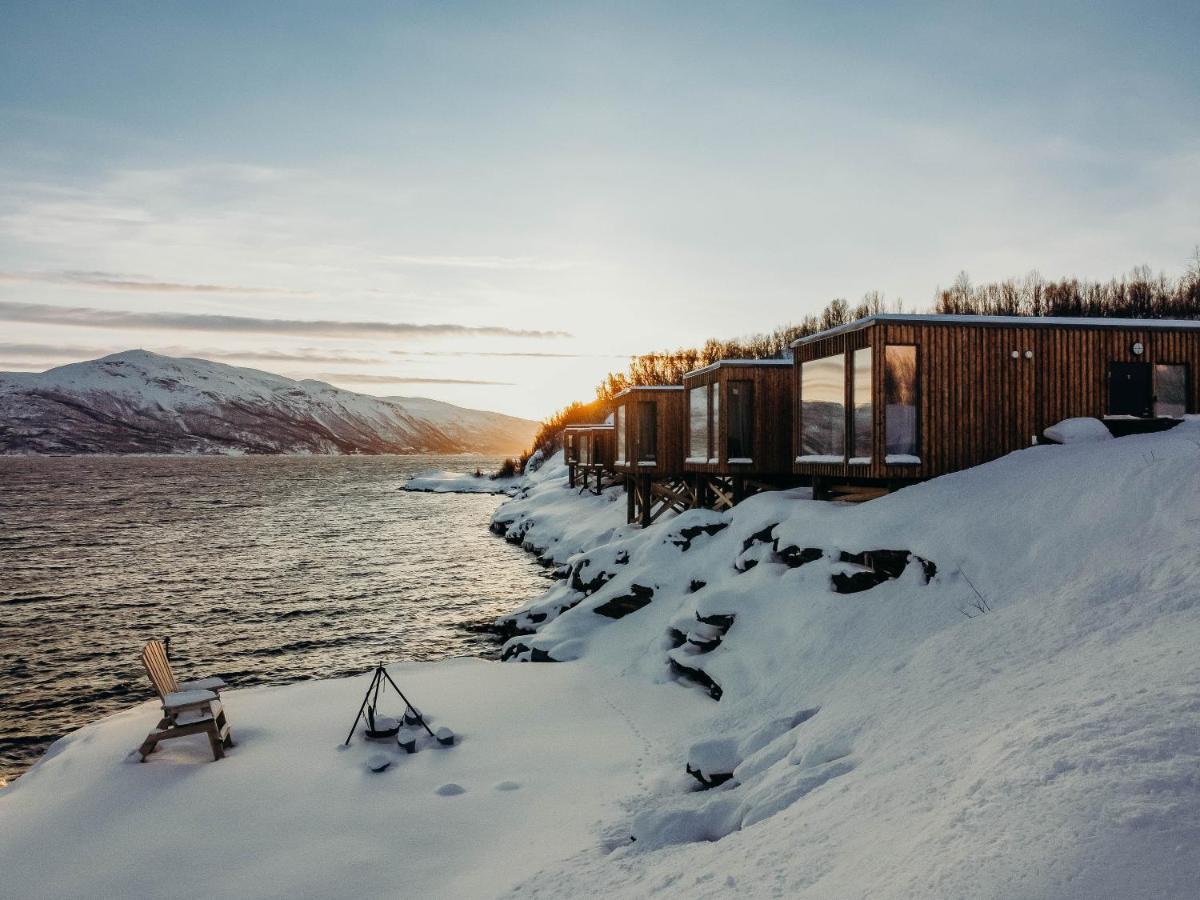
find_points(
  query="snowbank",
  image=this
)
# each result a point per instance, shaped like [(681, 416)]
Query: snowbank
[(982, 686), (288, 813), (554, 521), (441, 481), (1078, 430)]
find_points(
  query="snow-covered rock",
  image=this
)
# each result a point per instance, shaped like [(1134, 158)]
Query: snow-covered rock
[(141, 402)]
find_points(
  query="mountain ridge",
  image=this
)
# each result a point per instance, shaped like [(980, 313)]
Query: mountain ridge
[(138, 401)]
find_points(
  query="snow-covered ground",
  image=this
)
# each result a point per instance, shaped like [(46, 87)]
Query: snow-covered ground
[(289, 813), (982, 686)]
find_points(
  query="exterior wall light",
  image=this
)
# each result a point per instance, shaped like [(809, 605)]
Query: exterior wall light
[(1029, 354), (1138, 349), (1016, 354)]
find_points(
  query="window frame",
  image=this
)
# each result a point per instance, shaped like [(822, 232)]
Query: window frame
[(619, 423), (745, 419), (704, 391), (647, 409), (802, 400), (1187, 384), (852, 431), (916, 404)]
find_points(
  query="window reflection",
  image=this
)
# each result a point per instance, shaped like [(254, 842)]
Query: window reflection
[(698, 423), (823, 407), (619, 424), (647, 432), (900, 400), (740, 421), (1170, 390), (861, 423)]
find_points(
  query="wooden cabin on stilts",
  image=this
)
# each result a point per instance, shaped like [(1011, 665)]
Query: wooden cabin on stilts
[(739, 430), (589, 451), (650, 429), (892, 399)]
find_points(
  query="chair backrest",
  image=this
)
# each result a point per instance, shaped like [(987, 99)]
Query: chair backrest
[(158, 667)]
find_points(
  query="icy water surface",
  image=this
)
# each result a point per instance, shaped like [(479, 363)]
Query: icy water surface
[(263, 570)]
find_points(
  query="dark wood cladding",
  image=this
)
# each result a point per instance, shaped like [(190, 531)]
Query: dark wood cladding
[(977, 401), (772, 420), (671, 405)]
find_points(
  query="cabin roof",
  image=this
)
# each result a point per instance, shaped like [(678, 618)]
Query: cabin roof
[(587, 426), (649, 387), (745, 363), (1011, 321)]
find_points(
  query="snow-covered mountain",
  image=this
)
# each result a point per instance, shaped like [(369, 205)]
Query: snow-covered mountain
[(141, 402)]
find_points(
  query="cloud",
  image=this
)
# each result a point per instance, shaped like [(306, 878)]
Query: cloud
[(522, 354), (364, 378), (76, 352), (483, 262), (137, 283), (114, 318), (54, 351)]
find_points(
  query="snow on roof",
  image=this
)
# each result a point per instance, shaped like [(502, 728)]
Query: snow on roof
[(1015, 321), (711, 367)]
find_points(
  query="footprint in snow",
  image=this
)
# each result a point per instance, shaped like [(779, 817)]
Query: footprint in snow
[(508, 786), (450, 790)]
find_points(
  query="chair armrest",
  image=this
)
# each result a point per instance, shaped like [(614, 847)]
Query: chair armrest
[(204, 684)]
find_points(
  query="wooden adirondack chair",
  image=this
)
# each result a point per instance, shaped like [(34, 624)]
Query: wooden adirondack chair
[(190, 707)]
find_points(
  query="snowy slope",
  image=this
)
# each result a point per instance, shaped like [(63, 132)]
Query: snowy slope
[(143, 402), (470, 426), (1006, 707)]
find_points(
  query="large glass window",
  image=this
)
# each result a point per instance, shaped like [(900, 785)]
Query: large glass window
[(900, 407), (569, 446), (647, 432), (1170, 390), (714, 398), (823, 407), (863, 409), (698, 423), (739, 431), (585, 449), (619, 424)]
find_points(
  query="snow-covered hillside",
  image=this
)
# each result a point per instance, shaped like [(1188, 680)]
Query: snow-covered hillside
[(141, 402), (982, 686)]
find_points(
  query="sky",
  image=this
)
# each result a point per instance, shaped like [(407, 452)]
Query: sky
[(495, 204)]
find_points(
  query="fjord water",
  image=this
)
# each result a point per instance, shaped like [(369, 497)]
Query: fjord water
[(264, 570)]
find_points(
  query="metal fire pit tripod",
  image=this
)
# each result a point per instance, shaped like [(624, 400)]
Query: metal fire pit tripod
[(373, 688)]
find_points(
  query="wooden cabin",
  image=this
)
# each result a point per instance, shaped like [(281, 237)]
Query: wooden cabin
[(589, 453), (650, 428), (739, 434), (891, 399)]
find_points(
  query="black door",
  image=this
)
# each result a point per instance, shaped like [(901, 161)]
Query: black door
[(1130, 391)]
